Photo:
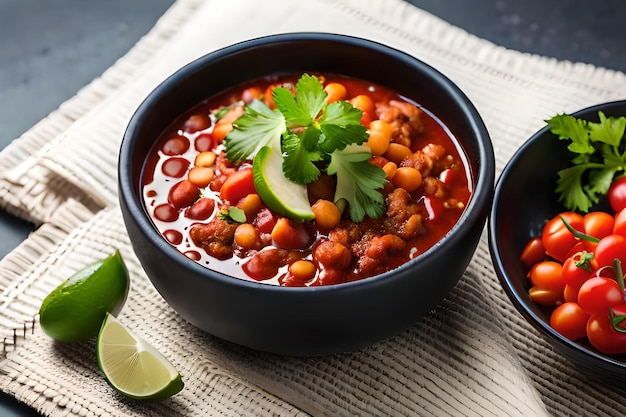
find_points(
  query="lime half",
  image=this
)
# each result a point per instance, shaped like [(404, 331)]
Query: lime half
[(279, 194), (133, 366), (75, 310)]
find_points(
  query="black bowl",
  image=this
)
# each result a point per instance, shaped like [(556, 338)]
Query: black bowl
[(524, 200), (305, 321)]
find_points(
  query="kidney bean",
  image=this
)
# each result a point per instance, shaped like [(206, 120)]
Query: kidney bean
[(196, 123), (183, 194), (165, 213), (204, 142), (176, 145), (175, 167), (201, 209)]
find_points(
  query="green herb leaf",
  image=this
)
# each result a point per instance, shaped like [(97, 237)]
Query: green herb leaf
[(233, 215), (259, 126), (358, 182), (599, 156), (313, 136)]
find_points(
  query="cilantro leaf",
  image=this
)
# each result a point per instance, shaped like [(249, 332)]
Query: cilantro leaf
[(259, 126), (298, 159), (599, 156), (609, 130), (358, 182)]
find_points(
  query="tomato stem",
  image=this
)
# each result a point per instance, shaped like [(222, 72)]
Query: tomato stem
[(619, 273), (616, 320), (576, 233)]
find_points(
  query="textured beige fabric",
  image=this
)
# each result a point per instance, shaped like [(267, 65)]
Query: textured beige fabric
[(474, 355)]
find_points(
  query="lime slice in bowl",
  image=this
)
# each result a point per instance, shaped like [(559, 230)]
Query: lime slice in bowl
[(132, 366), (279, 194)]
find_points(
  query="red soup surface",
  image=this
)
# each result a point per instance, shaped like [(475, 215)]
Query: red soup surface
[(427, 189)]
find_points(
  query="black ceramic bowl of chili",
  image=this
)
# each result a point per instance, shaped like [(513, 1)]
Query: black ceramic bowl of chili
[(320, 315), (516, 218)]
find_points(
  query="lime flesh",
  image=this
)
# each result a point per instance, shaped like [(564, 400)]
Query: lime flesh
[(132, 366), (75, 310), (279, 194)]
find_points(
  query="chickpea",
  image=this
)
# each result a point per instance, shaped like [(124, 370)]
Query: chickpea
[(390, 169), (201, 176), (250, 204), (379, 136), (364, 103), (398, 153), (302, 270), (327, 214), (408, 178), (335, 91), (205, 159), (247, 236)]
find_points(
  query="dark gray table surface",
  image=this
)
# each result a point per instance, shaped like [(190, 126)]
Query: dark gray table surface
[(49, 50)]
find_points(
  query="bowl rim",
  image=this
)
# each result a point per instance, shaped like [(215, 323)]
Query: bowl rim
[(504, 277), (478, 206)]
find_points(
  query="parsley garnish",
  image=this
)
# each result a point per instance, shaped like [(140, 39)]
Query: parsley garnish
[(600, 155), (233, 215), (313, 136)]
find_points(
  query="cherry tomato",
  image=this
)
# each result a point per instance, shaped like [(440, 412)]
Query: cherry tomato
[(597, 224), (619, 227), (599, 294), (533, 252), (617, 194), (557, 239), (547, 274), (601, 333), (609, 248), (548, 286), (570, 320), (578, 268)]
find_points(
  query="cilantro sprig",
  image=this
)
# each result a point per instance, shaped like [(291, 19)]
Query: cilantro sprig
[(313, 136), (600, 155)]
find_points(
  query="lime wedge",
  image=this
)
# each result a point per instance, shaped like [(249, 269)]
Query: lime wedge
[(279, 194), (75, 310), (133, 366)]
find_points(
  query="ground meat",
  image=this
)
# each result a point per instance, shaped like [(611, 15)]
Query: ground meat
[(425, 160), (403, 216), (215, 237), (436, 188), (405, 118)]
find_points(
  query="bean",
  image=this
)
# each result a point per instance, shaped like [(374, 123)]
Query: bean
[(165, 213), (205, 159), (364, 103), (196, 123), (250, 204), (408, 178), (398, 153), (302, 270), (175, 167), (247, 236), (289, 235), (327, 214), (390, 169), (201, 176), (176, 145), (183, 194), (204, 142), (335, 91), (201, 209)]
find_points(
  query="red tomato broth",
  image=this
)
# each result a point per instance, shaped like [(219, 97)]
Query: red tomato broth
[(157, 185)]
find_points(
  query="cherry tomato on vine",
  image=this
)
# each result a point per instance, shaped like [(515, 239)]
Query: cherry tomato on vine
[(601, 333), (599, 294), (556, 237), (578, 268), (617, 194), (570, 320)]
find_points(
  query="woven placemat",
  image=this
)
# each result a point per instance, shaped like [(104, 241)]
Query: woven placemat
[(474, 355)]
